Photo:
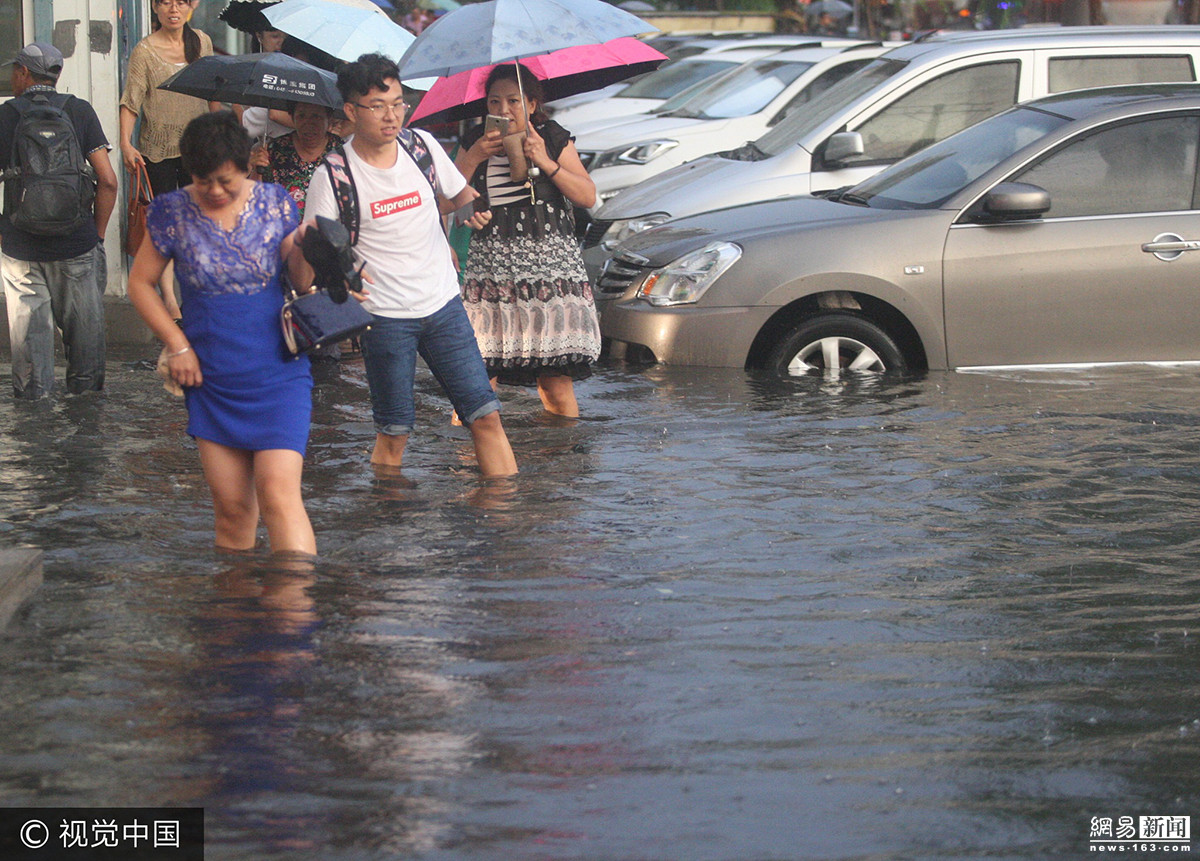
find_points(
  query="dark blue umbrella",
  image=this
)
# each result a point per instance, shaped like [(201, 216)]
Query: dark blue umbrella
[(259, 80)]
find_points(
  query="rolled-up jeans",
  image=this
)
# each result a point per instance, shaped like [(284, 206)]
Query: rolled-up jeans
[(45, 295)]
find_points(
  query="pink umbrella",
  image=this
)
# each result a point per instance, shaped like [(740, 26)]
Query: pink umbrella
[(563, 73)]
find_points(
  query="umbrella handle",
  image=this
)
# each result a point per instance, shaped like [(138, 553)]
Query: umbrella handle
[(534, 171)]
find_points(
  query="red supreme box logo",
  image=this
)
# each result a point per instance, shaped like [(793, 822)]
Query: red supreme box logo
[(384, 208)]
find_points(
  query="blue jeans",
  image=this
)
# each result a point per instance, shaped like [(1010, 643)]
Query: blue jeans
[(63, 294), (446, 341)]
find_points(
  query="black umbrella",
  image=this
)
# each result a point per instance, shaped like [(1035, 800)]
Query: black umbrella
[(247, 16), (260, 80)]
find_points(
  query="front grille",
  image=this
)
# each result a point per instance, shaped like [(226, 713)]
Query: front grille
[(595, 232), (587, 158), (618, 275)]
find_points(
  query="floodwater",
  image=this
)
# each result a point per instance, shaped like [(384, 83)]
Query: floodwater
[(718, 618)]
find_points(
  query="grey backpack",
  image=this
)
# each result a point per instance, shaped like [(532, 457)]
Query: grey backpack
[(50, 188)]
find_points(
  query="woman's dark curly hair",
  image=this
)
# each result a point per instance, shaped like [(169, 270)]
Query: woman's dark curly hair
[(529, 82), (211, 140)]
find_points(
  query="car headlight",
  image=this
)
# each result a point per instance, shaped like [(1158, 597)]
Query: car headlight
[(626, 227), (638, 153), (687, 278)]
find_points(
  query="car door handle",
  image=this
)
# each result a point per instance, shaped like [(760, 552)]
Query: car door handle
[(1168, 246)]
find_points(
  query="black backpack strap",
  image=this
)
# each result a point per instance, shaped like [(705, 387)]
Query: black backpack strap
[(344, 190), (413, 144)]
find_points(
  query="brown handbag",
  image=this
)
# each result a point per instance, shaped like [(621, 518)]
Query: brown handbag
[(135, 222)]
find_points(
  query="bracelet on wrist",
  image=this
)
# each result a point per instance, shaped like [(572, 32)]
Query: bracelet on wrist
[(186, 349), (554, 172)]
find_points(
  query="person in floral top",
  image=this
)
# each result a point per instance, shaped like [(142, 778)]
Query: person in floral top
[(289, 160)]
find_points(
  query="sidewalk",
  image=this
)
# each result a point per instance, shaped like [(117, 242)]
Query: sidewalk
[(123, 325)]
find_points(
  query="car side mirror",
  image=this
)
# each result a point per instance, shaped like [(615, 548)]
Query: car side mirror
[(1012, 201), (842, 146)]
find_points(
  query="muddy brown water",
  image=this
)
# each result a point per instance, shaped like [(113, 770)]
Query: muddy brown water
[(718, 618)]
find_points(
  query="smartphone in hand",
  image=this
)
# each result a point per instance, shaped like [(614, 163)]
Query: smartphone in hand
[(495, 123)]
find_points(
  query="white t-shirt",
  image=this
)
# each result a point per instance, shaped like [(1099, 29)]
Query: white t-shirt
[(400, 230), (257, 122)]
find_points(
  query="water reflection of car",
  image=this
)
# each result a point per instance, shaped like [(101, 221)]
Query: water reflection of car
[(1065, 230)]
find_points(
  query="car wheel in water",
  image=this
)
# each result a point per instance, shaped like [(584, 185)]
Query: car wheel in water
[(832, 343)]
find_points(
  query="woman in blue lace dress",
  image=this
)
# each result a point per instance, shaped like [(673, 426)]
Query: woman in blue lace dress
[(249, 402)]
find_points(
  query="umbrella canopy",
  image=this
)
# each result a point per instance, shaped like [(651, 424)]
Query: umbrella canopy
[(259, 80), (563, 73), (247, 15), (836, 8), (344, 31), (496, 31)]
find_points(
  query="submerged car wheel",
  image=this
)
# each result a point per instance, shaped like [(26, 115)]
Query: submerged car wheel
[(832, 343)]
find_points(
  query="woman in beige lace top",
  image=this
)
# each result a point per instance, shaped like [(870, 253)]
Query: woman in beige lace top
[(171, 46)]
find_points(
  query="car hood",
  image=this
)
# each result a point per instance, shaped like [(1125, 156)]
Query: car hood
[(600, 139), (585, 131), (742, 224), (672, 190)]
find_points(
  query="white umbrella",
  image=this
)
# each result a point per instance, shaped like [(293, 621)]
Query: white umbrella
[(340, 29)]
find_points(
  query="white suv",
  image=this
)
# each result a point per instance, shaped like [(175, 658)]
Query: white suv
[(724, 112), (899, 103)]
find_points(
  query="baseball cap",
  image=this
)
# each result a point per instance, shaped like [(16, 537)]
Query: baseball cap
[(40, 58)]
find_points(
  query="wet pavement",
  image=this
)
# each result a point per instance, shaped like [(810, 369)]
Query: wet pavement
[(720, 617)]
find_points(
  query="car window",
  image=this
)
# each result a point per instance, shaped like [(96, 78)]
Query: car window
[(808, 117), (937, 109), (744, 91), (927, 179), (820, 84), (1144, 166), (1081, 73), (678, 76)]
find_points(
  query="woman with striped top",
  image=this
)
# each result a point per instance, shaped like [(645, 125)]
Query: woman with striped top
[(524, 286)]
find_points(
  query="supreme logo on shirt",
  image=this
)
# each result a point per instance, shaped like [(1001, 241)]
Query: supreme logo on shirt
[(384, 208)]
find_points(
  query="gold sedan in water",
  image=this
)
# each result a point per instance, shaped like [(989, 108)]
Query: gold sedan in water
[(1065, 230)]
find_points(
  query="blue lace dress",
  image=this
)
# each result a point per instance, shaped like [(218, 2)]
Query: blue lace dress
[(255, 395)]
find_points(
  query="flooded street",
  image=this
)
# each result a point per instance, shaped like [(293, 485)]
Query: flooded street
[(721, 617)]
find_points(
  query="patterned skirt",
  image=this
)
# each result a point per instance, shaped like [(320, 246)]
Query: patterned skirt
[(529, 300)]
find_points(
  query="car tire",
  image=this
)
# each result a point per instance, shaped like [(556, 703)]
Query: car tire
[(832, 343)]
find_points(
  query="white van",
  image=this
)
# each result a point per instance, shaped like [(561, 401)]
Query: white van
[(899, 103)]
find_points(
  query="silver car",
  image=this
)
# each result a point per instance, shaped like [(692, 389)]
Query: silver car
[(908, 98), (1066, 230)]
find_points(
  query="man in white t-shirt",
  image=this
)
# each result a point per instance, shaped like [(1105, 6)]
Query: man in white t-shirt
[(413, 288)]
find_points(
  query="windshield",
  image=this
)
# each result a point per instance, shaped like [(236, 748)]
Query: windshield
[(807, 117), (932, 176), (744, 91), (668, 81)]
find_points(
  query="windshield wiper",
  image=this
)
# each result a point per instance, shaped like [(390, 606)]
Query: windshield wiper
[(682, 113), (749, 151), (843, 195)]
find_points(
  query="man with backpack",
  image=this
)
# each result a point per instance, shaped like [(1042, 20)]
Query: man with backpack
[(384, 187), (59, 191)]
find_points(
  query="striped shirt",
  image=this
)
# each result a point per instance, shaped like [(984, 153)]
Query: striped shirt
[(501, 190)]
